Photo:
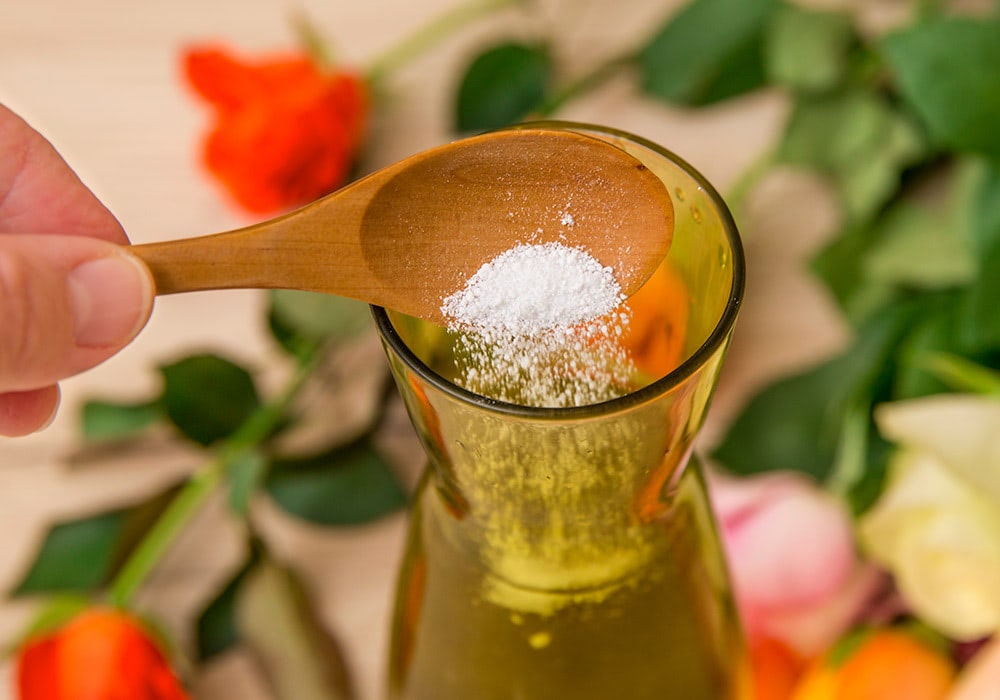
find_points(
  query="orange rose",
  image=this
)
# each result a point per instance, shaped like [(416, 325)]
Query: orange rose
[(98, 655), (776, 669), (286, 132), (883, 664)]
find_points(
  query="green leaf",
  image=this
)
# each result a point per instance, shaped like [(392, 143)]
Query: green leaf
[(985, 207), (981, 322), (75, 556), (316, 317), (916, 243), (784, 427), (867, 489), (841, 267), (709, 50), (981, 328), (245, 470), (788, 426), (858, 141), (84, 554), (861, 460), (934, 331), (851, 456), (961, 374), (348, 486), (280, 626), (919, 247), (502, 85), (104, 420), (216, 628), (948, 72), (207, 397), (808, 50)]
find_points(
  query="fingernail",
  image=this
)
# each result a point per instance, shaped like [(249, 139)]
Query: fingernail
[(110, 299), (55, 411)]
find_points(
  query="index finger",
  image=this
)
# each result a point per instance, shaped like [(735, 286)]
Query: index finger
[(40, 193)]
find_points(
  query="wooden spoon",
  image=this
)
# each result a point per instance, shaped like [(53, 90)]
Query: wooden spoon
[(407, 236)]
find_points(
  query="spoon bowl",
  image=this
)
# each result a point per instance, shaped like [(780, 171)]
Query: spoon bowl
[(409, 235)]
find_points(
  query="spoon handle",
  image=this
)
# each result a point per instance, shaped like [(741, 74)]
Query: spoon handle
[(315, 248), (219, 261)]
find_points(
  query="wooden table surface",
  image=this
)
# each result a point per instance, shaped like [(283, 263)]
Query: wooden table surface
[(100, 80)]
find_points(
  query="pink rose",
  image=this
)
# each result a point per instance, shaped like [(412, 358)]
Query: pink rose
[(795, 570)]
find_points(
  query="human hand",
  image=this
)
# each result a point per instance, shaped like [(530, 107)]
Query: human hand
[(70, 295)]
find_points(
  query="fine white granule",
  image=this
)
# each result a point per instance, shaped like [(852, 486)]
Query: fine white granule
[(541, 325), (530, 288)]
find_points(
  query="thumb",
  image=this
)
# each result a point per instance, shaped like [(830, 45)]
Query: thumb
[(67, 303)]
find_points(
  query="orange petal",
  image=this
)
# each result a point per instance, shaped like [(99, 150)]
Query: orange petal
[(776, 670)]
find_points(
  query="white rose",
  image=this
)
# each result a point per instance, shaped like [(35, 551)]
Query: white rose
[(937, 524)]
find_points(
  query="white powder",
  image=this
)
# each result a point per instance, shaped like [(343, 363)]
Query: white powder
[(531, 288), (540, 325)]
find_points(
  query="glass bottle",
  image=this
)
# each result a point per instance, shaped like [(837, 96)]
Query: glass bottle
[(570, 552)]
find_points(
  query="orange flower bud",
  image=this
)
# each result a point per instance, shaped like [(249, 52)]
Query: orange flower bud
[(98, 655), (882, 665), (286, 132)]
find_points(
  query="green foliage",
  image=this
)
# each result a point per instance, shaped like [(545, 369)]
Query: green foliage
[(915, 246), (947, 71), (207, 397), (246, 469), (104, 420), (807, 50), (981, 330), (858, 140), (936, 331), (83, 555), (279, 624), (886, 122), (911, 244), (503, 85), (310, 318), (797, 423), (75, 556), (350, 485), (265, 608), (216, 629), (960, 374), (708, 51)]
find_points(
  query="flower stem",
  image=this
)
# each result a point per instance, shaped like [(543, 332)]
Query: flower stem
[(585, 83), (258, 426), (432, 34), (751, 177), (162, 534), (314, 44)]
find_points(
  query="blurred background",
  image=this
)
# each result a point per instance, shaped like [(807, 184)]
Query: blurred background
[(102, 81)]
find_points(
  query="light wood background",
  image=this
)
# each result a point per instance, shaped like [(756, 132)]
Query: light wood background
[(100, 80)]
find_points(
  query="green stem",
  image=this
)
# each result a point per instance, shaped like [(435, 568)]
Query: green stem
[(162, 534), (432, 34), (260, 424), (311, 40), (852, 448), (739, 192), (586, 83)]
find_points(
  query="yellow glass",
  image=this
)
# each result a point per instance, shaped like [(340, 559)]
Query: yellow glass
[(570, 552)]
